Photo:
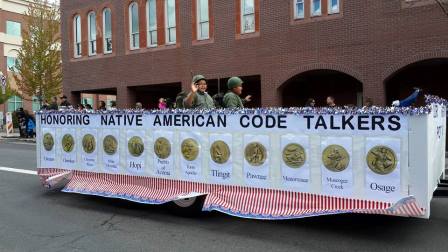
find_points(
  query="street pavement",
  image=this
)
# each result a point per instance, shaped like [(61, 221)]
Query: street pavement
[(34, 219)]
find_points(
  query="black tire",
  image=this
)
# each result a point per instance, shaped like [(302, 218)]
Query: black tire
[(190, 207)]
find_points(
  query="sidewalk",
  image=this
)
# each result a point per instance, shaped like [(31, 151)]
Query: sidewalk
[(16, 137)]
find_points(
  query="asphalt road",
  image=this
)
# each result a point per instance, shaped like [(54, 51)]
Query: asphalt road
[(33, 219)]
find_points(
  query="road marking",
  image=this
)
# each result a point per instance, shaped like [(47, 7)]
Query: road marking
[(7, 169)]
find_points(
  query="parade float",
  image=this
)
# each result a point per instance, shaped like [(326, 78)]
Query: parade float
[(268, 163)]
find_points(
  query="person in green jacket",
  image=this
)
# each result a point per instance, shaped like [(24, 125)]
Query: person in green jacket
[(232, 98), (198, 98)]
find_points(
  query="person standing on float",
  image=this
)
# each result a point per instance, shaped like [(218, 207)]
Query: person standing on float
[(198, 98), (232, 99)]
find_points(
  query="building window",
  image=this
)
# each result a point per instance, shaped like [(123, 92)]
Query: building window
[(107, 24), (151, 22), (36, 104), (248, 16), (333, 6), (170, 15), (203, 20), (134, 26), (299, 9), (13, 28), (87, 100), (77, 36), (92, 33), (11, 63), (316, 9), (14, 103)]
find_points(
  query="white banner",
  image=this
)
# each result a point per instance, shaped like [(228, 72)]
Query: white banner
[(110, 146), (67, 148), (190, 150), (382, 166), (283, 123), (256, 160), (220, 161), (337, 174), (284, 152), (48, 149), (295, 162), (89, 149), (136, 151), (164, 154)]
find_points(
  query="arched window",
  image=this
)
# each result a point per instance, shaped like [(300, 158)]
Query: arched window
[(248, 16), (170, 18), (107, 36), (134, 34), (92, 33), (316, 9), (203, 20), (333, 6), (77, 36), (151, 22), (299, 10)]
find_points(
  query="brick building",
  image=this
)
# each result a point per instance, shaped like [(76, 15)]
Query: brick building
[(11, 24), (285, 50)]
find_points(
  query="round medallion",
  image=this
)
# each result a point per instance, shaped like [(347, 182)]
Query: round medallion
[(335, 158), (190, 149), (294, 155), (48, 142), (110, 145), (162, 148), (255, 154), (220, 152), (88, 144), (136, 146), (68, 143), (381, 160)]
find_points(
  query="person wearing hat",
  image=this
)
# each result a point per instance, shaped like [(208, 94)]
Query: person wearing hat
[(64, 102), (198, 98), (232, 99)]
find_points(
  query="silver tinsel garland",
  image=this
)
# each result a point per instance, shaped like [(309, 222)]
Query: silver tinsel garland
[(374, 110)]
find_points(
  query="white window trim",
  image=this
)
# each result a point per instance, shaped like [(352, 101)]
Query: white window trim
[(314, 14), (130, 27), (149, 44), (105, 51), (242, 19), (89, 31), (198, 21), (75, 36), (330, 11), (296, 16), (167, 28)]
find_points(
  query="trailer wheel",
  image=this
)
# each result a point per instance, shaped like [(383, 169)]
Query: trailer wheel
[(188, 207)]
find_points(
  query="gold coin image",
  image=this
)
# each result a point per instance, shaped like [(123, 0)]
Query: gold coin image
[(136, 146), (162, 148), (110, 145), (381, 160), (294, 155), (88, 143), (255, 154), (220, 152), (335, 158), (190, 149), (48, 142), (68, 143)]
